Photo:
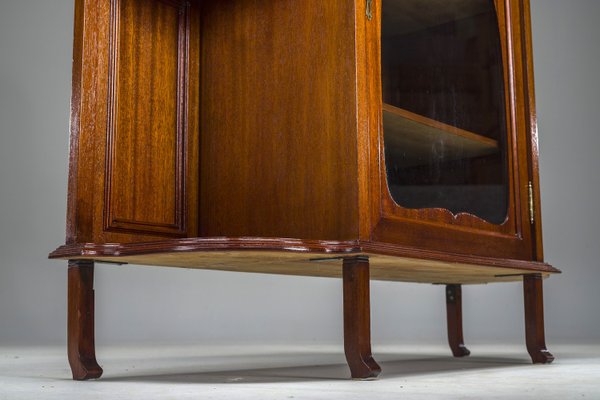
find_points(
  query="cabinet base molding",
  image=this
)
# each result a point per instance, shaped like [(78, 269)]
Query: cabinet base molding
[(308, 258)]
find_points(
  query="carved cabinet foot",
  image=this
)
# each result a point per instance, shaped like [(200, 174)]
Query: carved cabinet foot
[(357, 319), (80, 322), (534, 319), (454, 318)]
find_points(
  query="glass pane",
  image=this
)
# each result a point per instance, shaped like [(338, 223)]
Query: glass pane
[(444, 111)]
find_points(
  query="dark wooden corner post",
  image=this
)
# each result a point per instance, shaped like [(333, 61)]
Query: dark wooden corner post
[(357, 319), (454, 317), (80, 321), (534, 319)]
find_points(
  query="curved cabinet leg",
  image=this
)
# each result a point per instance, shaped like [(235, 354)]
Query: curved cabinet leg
[(454, 317), (534, 319), (357, 319), (80, 321)]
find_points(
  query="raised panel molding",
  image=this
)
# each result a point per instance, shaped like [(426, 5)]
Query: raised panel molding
[(146, 138)]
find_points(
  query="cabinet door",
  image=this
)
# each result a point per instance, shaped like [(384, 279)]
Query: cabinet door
[(453, 169), (134, 141)]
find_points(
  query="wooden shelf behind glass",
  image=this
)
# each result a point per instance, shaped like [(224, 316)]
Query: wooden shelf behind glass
[(418, 136), (400, 16)]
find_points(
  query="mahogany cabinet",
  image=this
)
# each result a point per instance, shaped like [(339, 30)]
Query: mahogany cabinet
[(361, 139)]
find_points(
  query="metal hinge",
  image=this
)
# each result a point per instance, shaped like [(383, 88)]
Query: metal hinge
[(531, 203), (369, 9)]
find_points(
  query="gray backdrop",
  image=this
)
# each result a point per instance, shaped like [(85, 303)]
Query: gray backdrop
[(173, 306)]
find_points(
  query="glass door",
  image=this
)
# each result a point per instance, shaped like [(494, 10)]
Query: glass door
[(454, 158), (444, 110)]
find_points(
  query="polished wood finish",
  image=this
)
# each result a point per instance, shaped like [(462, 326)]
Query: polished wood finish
[(321, 177), (80, 321), (534, 319), (357, 319), (248, 136), (308, 258), (454, 320), (530, 116), (133, 172), (278, 148), (147, 128), (72, 229)]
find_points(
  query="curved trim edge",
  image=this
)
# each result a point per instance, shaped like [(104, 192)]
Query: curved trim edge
[(351, 247)]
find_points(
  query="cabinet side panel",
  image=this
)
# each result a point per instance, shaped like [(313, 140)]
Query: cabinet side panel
[(87, 119), (531, 116), (278, 119), (78, 35), (135, 151)]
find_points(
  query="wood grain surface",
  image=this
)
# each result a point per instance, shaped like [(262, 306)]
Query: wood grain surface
[(145, 166), (291, 118), (133, 173), (278, 114)]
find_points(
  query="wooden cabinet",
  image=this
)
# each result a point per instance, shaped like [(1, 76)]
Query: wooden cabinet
[(368, 139)]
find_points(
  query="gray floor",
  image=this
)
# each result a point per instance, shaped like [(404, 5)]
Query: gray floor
[(301, 372)]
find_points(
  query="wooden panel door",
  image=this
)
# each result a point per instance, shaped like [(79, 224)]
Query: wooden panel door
[(145, 172), (135, 147)]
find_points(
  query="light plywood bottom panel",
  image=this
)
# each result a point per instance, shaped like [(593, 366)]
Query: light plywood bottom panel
[(385, 268)]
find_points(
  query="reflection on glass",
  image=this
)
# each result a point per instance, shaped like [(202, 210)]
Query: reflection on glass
[(444, 111)]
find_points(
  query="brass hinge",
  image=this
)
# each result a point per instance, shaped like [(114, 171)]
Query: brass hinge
[(369, 9), (531, 204)]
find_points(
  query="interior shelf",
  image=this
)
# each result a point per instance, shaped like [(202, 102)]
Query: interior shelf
[(415, 15), (419, 136)]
